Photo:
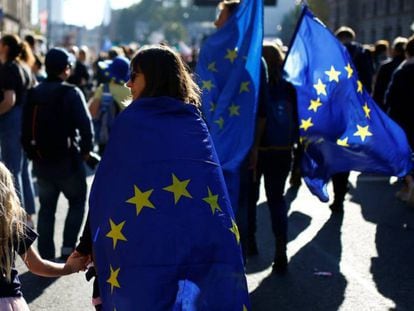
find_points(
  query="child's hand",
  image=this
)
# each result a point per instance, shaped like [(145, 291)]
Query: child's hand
[(77, 262)]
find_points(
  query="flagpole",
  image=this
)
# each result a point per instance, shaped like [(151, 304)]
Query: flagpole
[(304, 8)]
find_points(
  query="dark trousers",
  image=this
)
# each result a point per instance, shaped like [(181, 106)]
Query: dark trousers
[(74, 189), (274, 165), (340, 186)]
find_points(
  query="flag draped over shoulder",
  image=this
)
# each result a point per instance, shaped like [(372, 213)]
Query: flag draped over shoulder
[(341, 127), (163, 230), (228, 72)]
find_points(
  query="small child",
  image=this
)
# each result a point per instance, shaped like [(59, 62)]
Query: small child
[(17, 237)]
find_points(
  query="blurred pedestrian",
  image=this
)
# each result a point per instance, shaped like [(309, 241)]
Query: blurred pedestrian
[(386, 70), (58, 137), (398, 99), (110, 99), (15, 81), (275, 154)]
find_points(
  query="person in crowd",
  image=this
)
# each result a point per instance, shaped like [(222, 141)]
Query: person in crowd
[(109, 99), (398, 99), (380, 55), (81, 72), (17, 237), (164, 113), (15, 81), (386, 70), (362, 61), (58, 137), (275, 154)]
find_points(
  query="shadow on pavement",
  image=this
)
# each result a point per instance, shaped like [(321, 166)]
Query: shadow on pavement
[(392, 269), (300, 288), (33, 286)]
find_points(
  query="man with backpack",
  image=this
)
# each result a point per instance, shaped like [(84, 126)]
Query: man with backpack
[(57, 135)]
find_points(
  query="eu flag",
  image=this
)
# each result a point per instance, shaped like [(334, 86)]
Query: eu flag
[(229, 73), (341, 127), (164, 234)]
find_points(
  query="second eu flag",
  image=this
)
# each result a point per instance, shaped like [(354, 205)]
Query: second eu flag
[(341, 127)]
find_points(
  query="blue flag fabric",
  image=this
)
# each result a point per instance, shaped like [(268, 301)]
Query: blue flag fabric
[(164, 234), (228, 72), (341, 127)]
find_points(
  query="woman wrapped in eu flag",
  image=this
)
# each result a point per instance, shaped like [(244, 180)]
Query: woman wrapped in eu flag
[(164, 234)]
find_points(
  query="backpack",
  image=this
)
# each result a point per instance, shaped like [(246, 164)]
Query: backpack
[(281, 124), (45, 131), (108, 110)]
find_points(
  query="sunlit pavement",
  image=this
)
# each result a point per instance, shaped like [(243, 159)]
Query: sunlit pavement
[(361, 260)]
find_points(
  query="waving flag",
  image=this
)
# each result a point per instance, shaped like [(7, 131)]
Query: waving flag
[(341, 127), (164, 232), (229, 74)]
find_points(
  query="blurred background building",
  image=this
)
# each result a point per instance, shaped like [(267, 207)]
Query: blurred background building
[(373, 19), (15, 16)]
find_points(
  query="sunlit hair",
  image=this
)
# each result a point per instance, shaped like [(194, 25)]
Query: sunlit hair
[(12, 217), (274, 58), (165, 74), (231, 5), (18, 49)]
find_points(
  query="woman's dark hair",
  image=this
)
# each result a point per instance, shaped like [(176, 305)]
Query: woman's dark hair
[(231, 5), (18, 49), (165, 74), (274, 58)]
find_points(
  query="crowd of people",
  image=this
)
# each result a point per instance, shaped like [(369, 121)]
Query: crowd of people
[(57, 112)]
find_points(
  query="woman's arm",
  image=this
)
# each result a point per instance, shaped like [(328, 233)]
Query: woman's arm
[(8, 101), (42, 267)]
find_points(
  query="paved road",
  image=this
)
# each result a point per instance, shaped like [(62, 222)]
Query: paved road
[(369, 250)]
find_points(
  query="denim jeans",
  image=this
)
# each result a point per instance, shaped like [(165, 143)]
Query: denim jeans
[(274, 165), (13, 157), (74, 190)]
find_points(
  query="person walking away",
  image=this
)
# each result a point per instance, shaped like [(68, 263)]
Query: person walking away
[(398, 99), (58, 137), (275, 154), (386, 70), (15, 81)]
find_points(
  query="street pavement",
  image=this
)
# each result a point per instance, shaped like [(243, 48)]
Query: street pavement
[(362, 259)]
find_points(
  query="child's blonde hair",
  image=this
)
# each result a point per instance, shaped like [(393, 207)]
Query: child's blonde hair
[(12, 219)]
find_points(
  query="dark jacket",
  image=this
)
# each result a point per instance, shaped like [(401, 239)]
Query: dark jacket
[(399, 99), (385, 72), (363, 63), (77, 120)]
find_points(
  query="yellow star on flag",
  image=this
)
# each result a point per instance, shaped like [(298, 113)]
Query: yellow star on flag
[(220, 123), (234, 110), (207, 85), (141, 199), (244, 87), (213, 107), (245, 308), (359, 90), (362, 132), (333, 74), (113, 279), (212, 67), (212, 200), (320, 87), (306, 124), (116, 232), (349, 70), (367, 111), (231, 55), (179, 188), (315, 104), (235, 231), (343, 142)]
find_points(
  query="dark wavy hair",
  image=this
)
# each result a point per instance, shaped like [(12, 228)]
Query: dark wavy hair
[(18, 50), (165, 74), (274, 58)]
